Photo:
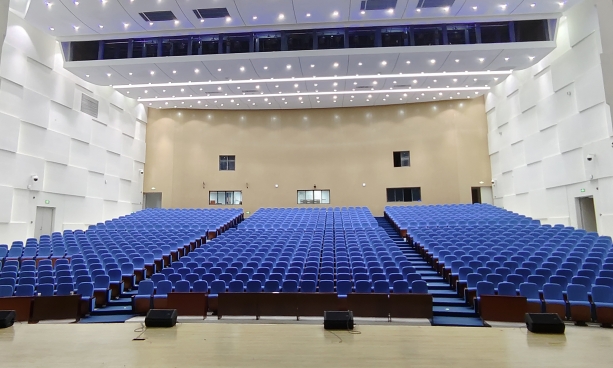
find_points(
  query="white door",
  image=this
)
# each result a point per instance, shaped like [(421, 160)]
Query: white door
[(587, 214), (44, 221)]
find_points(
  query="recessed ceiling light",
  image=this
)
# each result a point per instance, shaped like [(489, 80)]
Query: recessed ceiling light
[(218, 69), (150, 23), (390, 11), (219, 88), (506, 59), (335, 65), (242, 68), (281, 16), (457, 60), (101, 26), (335, 13), (308, 14), (532, 5), (196, 70), (335, 84), (363, 12), (384, 63), (360, 63), (481, 60), (475, 8), (51, 29), (288, 66), (433, 61), (255, 17), (257, 87), (315, 84), (228, 19)]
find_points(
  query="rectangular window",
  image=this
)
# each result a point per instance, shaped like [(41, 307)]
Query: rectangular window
[(226, 163), (402, 159), (404, 194), (226, 198), (313, 197)]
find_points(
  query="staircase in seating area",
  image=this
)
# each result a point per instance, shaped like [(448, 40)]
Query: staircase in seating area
[(449, 309), (116, 311)]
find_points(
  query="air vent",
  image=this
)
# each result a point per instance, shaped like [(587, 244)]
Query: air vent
[(158, 16), (378, 4), (402, 86), (211, 13), (363, 87), (435, 3), (89, 106), (251, 91)]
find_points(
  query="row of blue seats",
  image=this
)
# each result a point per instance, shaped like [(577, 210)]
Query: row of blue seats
[(147, 288)]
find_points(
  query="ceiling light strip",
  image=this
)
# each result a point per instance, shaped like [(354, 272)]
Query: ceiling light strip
[(269, 95), (313, 79)]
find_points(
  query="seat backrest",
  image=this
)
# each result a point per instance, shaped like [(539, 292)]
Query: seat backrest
[(576, 293), (552, 292), (326, 286), (507, 289), (218, 287), (363, 286), (235, 286), (529, 290), (65, 288), (86, 289), (494, 278), (6, 291), (163, 287), (254, 286), (602, 294), (102, 282), (344, 287), (290, 286), (381, 286), (182, 286), (485, 288), (146, 287), (582, 280), (398, 287), (200, 286), (419, 287)]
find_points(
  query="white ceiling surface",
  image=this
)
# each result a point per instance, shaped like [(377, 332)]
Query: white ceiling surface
[(74, 19), (230, 78)]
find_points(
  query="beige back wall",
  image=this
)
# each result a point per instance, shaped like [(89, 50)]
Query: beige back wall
[(335, 149)]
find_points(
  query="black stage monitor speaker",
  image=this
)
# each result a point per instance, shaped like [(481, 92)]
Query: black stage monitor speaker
[(7, 318), (338, 320), (549, 323), (161, 318)]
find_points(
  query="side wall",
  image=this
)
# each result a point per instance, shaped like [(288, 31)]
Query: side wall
[(88, 168), (545, 121), (336, 149)]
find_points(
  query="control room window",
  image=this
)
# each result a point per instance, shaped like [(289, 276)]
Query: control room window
[(226, 198), (226, 163), (403, 194), (402, 159), (313, 197)]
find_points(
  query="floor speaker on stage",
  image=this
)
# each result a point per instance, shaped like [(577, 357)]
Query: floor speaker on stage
[(7, 318), (338, 320), (161, 318), (548, 323)]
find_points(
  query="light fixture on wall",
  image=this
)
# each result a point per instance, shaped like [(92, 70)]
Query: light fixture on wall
[(152, 188), (363, 184), (276, 185), (481, 182)]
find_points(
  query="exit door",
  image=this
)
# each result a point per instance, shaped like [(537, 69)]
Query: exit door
[(44, 221), (587, 214)]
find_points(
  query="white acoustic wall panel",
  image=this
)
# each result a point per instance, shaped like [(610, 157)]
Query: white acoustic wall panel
[(6, 204), (542, 127), (81, 161), (9, 138)]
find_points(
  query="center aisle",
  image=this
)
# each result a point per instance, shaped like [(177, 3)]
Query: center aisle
[(448, 308)]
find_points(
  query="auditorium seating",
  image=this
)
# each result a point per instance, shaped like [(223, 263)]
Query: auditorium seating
[(107, 259), (552, 266)]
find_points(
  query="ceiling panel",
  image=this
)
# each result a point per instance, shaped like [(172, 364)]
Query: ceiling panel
[(54, 18), (108, 14), (235, 19), (489, 8), (266, 12), (134, 7), (322, 11)]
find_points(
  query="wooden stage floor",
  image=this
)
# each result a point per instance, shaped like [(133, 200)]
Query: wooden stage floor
[(295, 345)]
